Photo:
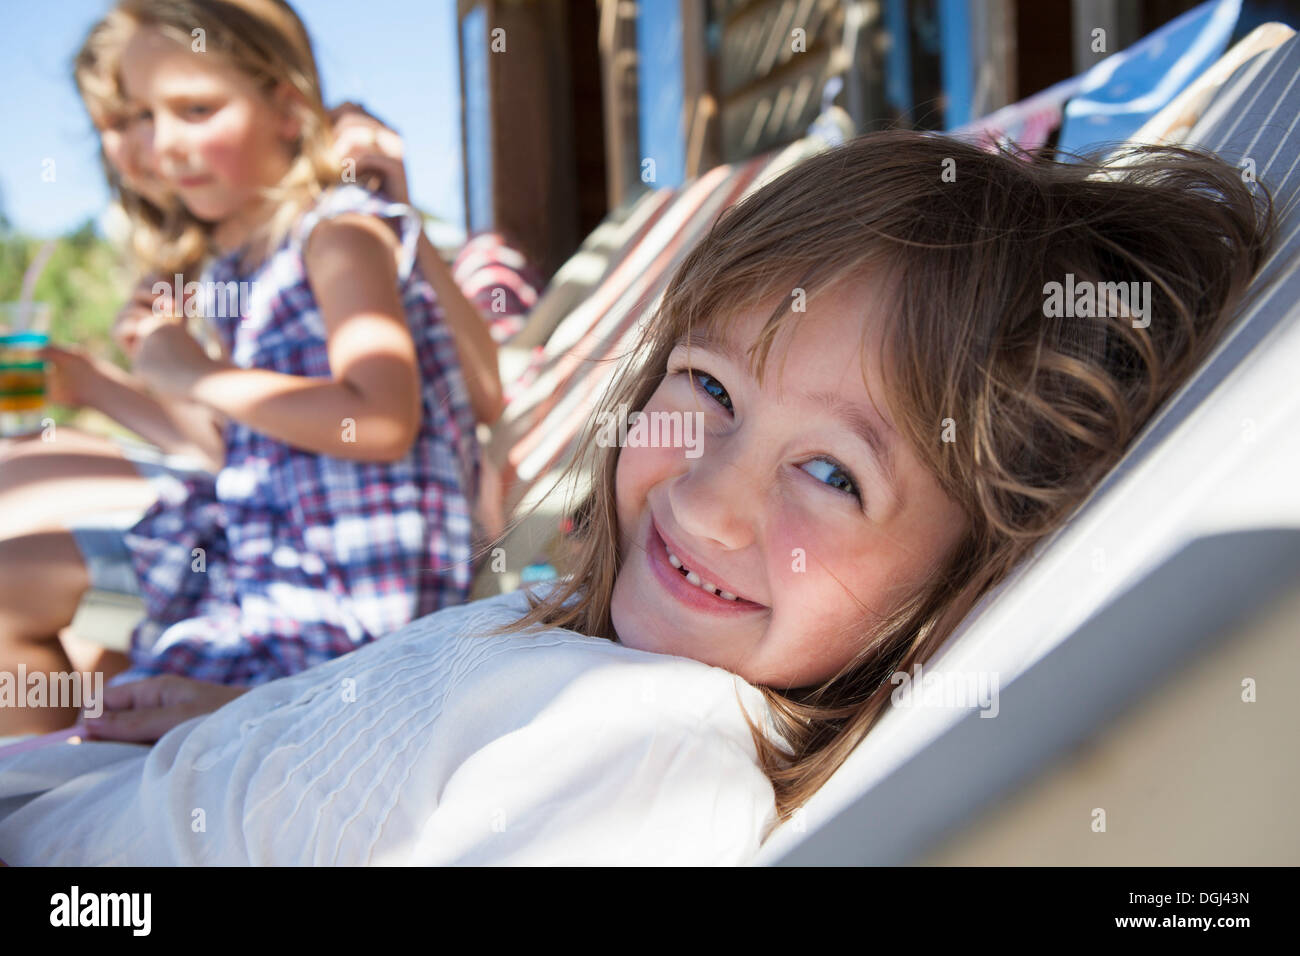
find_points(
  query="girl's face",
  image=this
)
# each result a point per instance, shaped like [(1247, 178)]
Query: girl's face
[(210, 133), (125, 152), (801, 502)]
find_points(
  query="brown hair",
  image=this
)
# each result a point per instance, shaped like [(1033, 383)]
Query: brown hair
[(94, 71), (1041, 406), (263, 39)]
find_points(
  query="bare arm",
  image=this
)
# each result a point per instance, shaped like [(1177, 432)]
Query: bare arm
[(179, 427), (176, 427), (369, 409), (475, 347), (377, 151)]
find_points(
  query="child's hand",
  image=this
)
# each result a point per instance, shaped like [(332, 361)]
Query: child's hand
[(142, 305), (143, 711), (167, 358), (71, 375), (375, 149)]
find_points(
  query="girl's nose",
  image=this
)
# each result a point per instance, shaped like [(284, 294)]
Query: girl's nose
[(138, 148), (718, 498), (161, 143)]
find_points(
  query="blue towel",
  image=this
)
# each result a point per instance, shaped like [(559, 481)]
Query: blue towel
[(1126, 89)]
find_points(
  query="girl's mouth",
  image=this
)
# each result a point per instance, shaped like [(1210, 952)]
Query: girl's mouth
[(686, 585)]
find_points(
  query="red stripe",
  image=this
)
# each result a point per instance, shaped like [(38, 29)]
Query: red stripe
[(599, 373)]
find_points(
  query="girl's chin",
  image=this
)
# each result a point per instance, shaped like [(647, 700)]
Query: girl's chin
[(205, 209), (632, 620), (212, 216)]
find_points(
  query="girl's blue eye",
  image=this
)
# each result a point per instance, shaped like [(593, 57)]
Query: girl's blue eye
[(197, 111), (714, 388), (833, 475)]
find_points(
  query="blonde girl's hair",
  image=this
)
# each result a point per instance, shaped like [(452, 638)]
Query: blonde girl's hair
[(1040, 407), (94, 71), (265, 40)]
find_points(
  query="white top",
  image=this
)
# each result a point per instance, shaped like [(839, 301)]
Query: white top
[(435, 745)]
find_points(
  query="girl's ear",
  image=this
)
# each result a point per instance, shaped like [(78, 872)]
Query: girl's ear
[(289, 103)]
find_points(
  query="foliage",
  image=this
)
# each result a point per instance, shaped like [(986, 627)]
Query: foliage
[(84, 283)]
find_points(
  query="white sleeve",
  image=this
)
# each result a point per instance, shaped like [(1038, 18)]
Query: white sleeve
[(628, 789)]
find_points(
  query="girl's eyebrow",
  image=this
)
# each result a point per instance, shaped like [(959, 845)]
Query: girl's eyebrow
[(709, 342), (873, 432), (180, 87), (184, 94)]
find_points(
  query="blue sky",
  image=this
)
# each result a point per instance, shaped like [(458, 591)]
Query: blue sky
[(398, 57)]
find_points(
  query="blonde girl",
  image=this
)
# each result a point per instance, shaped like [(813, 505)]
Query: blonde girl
[(341, 509), (42, 483), (892, 418)]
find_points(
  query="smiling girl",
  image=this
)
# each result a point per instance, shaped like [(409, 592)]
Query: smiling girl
[(341, 509), (891, 423), (893, 419)]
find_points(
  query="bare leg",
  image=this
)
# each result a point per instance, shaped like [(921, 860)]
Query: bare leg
[(42, 484), (66, 439), (42, 578), (87, 657)]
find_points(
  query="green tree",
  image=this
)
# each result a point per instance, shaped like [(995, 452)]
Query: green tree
[(83, 282)]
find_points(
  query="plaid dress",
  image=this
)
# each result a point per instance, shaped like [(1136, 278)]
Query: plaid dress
[(287, 558)]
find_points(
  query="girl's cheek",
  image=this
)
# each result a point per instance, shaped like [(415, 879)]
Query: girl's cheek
[(113, 150), (224, 159), (640, 469), (627, 489), (796, 557), (228, 146), (817, 561)]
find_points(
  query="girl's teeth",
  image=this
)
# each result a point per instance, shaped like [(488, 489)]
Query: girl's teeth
[(698, 581)]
